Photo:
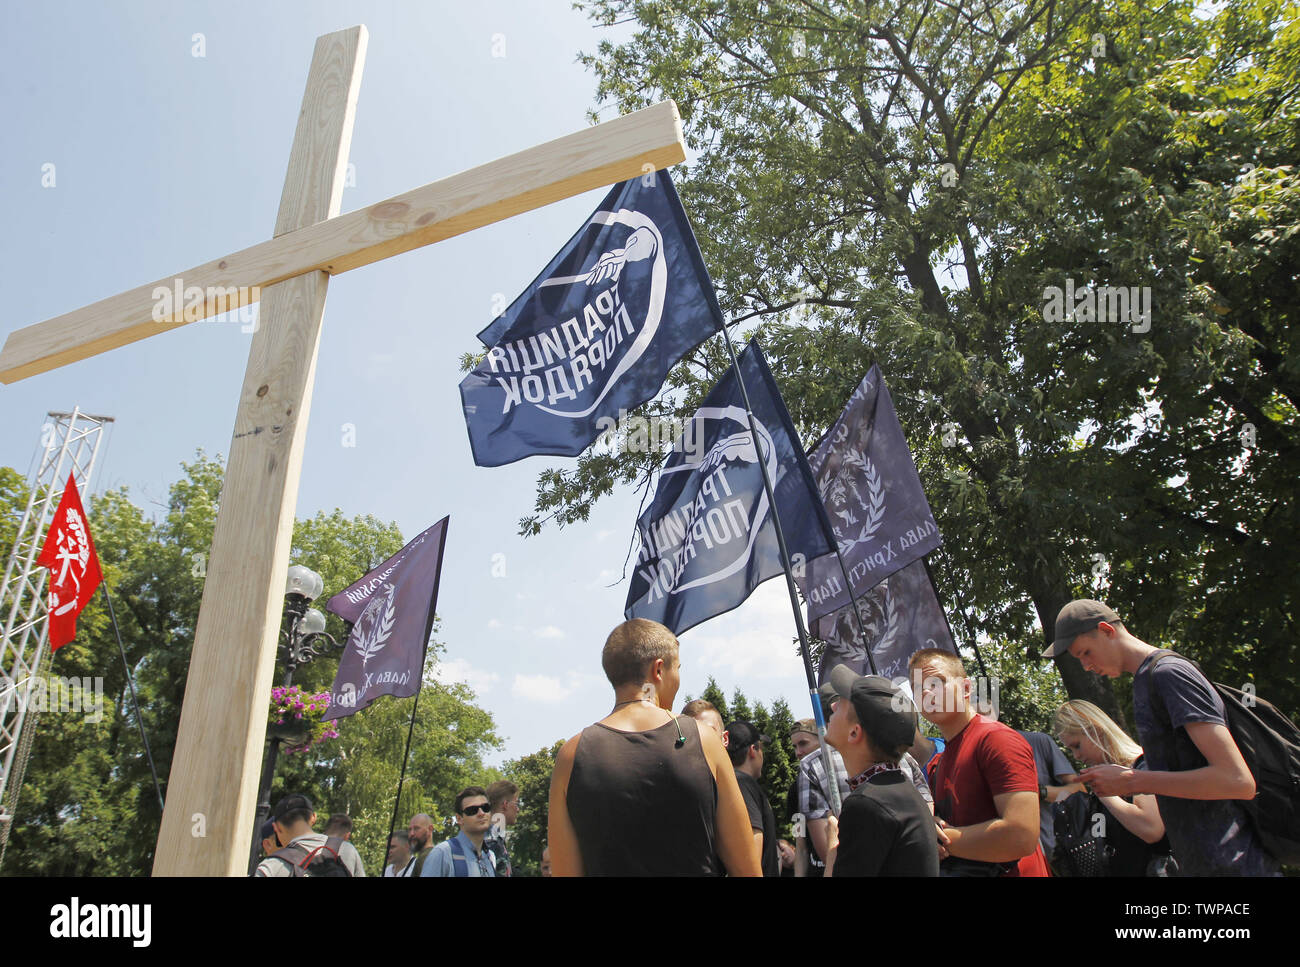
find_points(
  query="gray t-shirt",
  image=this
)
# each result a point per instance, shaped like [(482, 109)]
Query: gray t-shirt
[(348, 855), (1051, 765), (1209, 837)]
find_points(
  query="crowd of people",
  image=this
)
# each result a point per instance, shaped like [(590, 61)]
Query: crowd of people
[(647, 792)]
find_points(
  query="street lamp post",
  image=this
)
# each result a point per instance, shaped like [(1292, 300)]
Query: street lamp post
[(303, 639)]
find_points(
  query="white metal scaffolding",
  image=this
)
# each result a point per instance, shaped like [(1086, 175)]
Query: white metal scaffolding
[(71, 442)]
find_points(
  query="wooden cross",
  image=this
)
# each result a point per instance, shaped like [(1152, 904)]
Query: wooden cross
[(212, 791)]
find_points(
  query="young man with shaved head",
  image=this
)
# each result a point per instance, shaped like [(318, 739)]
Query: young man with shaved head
[(985, 784), (643, 792), (1192, 764)]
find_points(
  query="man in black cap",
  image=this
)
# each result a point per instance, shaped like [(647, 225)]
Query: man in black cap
[(813, 788), (745, 748), (293, 818), (1192, 764), (885, 827), (267, 835)]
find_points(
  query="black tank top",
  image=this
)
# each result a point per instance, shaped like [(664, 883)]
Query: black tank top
[(641, 806)]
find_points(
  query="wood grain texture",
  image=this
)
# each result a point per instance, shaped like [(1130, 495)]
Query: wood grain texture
[(219, 745), (615, 151)]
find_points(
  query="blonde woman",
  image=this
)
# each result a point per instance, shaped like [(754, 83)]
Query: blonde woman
[(1137, 833)]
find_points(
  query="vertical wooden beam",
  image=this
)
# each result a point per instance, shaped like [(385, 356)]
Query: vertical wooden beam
[(212, 791)]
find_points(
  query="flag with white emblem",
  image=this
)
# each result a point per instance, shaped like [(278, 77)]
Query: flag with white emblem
[(899, 616), (391, 610), (873, 496), (70, 555), (595, 333), (708, 539)]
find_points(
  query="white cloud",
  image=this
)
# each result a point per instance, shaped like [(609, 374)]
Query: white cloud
[(605, 578), (550, 689), (754, 641), (540, 688), (550, 631), (493, 624), (603, 534), (458, 670)]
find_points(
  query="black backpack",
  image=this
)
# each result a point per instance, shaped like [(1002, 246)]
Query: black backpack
[(1270, 744), (322, 861), (1079, 850)]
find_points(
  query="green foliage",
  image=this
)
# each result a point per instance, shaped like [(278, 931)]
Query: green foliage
[(713, 695), (780, 764), (1028, 693), (921, 176), (532, 774), (88, 806)]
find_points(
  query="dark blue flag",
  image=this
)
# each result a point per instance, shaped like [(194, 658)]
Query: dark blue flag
[(900, 616), (391, 610), (595, 333), (708, 539), (873, 495)]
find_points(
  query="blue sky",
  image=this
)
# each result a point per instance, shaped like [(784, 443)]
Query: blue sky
[(164, 160)]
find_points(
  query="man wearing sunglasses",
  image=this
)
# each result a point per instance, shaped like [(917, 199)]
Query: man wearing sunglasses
[(464, 855)]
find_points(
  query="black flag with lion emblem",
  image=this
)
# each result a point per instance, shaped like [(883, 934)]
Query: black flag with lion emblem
[(873, 496), (391, 610)]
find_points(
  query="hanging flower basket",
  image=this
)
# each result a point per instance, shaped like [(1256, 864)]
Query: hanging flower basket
[(295, 718)]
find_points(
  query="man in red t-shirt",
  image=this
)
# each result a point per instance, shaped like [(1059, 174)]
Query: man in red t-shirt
[(985, 784)]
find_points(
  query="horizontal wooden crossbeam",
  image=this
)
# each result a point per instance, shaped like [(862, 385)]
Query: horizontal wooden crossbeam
[(615, 151)]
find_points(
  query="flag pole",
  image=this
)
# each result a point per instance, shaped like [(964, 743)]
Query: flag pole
[(397, 802), (428, 630), (832, 784), (139, 721)]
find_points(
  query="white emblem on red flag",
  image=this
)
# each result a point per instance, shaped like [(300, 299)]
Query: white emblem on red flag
[(69, 553)]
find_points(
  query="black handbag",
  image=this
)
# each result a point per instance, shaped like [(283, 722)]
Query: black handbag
[(1079, 850)]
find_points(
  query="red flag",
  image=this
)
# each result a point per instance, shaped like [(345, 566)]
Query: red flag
[(69, 553)]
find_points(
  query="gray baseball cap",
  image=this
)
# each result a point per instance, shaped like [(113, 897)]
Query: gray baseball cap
[(1078, 618)]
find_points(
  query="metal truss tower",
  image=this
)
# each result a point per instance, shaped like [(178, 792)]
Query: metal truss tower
[(71, 442)]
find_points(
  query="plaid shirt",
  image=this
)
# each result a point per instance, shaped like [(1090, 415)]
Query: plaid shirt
[(811, 799)]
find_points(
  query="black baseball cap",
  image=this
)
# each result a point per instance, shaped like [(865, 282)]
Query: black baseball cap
[(885, 711), (1078, 618), (291, 803), (741, 735)]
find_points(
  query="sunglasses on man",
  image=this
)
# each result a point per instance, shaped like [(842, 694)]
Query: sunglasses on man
[(475, 809)]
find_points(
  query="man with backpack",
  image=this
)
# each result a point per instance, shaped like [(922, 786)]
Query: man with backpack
[(1193, 765), (420, 832), (307, 853), (464, 854)]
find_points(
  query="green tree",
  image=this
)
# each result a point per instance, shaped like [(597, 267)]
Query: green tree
[(902, 184), (1028, 694), (780, 763), (740, 710), (713, 694), (88, 806), (532, 774)]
